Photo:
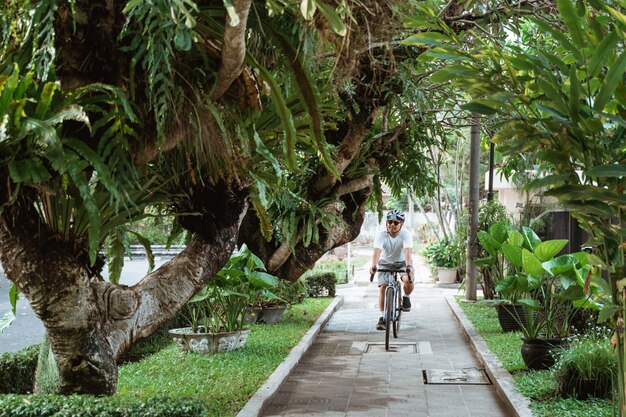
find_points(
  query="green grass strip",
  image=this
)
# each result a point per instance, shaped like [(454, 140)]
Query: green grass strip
[(224, 381), (538, 386)]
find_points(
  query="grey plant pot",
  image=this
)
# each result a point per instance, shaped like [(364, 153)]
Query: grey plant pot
[(272, 315)]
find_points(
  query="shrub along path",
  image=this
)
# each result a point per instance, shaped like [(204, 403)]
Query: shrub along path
[(347, 372)]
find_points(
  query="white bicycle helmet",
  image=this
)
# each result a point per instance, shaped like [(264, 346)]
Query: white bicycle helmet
[(396, 215)]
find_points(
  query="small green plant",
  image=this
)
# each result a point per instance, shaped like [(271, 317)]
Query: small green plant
[(221, 304), (587, 368), (442, 254)]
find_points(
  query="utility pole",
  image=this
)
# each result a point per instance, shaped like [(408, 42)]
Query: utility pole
[(471, 278), (491, 158)]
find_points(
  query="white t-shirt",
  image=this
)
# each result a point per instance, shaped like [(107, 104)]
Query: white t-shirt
[(392, 247)]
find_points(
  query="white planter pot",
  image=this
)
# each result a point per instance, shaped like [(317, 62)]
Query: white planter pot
[(446, 275), (208, 343)]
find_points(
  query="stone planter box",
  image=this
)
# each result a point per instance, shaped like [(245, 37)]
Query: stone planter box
[(208, 343)]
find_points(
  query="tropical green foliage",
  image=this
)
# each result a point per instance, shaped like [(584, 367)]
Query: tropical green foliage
[(538, 386), (560, 97)]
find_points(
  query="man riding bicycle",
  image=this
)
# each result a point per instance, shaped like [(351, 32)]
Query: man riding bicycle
[(392, 250)]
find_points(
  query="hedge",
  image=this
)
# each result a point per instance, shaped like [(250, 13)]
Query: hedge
[(17, 370), (12, 405), (322, 284)]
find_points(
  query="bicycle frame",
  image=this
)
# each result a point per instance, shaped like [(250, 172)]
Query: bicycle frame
[(393, 304)]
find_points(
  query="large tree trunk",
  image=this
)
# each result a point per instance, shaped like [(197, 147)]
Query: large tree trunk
[(91, 322), (292, 264)]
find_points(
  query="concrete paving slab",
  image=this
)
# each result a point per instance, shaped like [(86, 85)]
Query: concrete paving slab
[(338, 377)]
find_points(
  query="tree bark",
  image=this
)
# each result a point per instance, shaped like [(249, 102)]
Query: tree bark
[(90, 322)]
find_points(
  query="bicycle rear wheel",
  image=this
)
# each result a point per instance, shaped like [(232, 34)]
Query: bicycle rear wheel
[(398, 310), (389, 307)]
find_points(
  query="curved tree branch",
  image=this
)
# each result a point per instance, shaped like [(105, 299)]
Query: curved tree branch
[(348, 148), (233, 49)]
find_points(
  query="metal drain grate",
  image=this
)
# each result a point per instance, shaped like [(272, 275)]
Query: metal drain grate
[(465, 376), (395, 348)]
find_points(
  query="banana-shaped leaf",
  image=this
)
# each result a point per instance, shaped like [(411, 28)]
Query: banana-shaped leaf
[(512, 253), (574, 95), (500, 231), (547, 250), (117, 246), (560, 265), (75, 172), (601, 54), (489, 243), (531, 264), (607, 171), (311, 98), (530, 238), (427, 38), (284, 113)]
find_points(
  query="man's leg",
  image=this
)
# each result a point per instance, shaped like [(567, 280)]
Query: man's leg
[(381, 307), (408, 286), (408, 289)]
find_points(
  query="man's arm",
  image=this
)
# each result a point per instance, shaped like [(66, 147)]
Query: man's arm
[(408, 256), (375, 258)]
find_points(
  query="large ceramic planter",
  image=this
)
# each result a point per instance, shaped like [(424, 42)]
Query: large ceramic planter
[(208, 343), (539, 353), (271, 315), (446, 275), (511, 317), (253, 314)]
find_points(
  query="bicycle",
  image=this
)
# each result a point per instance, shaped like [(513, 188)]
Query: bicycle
[(393, 303)]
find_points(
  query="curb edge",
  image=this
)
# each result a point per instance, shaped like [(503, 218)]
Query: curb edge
[(500, 377), (264, 395)]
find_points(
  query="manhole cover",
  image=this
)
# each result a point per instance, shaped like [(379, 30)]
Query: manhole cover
[(470, 376), (396, 347)]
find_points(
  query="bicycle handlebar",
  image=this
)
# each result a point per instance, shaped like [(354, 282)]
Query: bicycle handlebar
[(396, 271)]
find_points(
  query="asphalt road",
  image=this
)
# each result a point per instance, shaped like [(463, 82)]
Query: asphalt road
[(27, 329)]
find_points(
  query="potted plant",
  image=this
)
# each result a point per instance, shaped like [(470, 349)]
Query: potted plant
[(555, 292), (248, 270), (443, 256), (587, 368), (217, 313), (275, 301), (216, 318), (500, 243)]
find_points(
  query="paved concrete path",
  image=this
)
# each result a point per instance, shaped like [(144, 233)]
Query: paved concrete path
[(348, 373)]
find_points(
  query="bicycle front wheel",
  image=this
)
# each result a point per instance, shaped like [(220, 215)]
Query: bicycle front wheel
[(398, 310), (389, 308)]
